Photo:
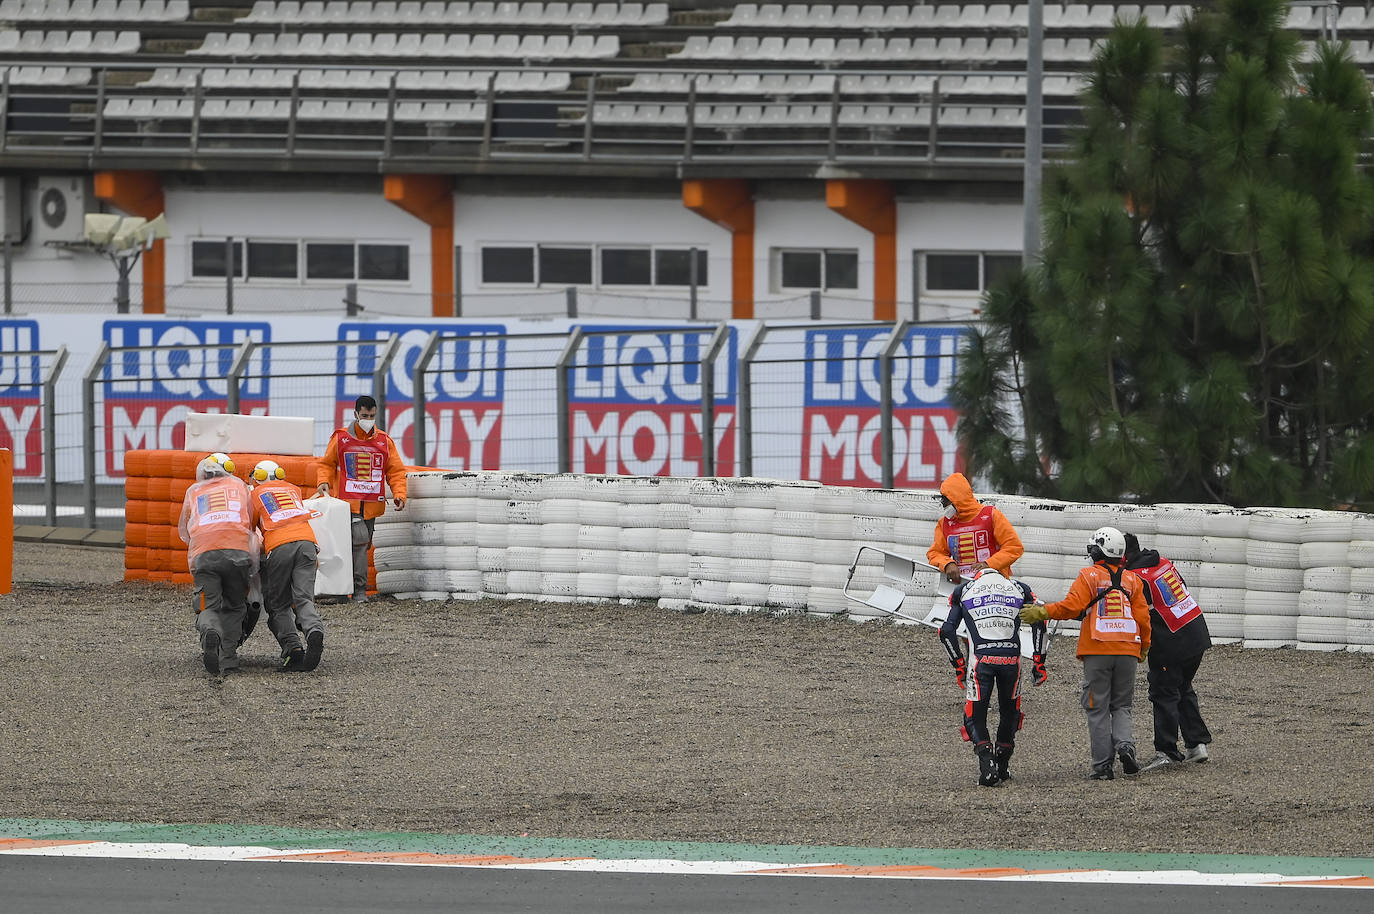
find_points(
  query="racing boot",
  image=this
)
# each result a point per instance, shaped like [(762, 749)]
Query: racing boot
[(1003, 757), (987, 765)]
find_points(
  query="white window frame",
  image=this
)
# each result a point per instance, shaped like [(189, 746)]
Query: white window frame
[(775, 268)]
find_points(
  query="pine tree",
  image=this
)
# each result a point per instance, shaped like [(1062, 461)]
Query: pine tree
[(1199, 326)]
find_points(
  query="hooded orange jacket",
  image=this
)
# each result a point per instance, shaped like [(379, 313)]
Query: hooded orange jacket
[(957, 489), (395, 471)]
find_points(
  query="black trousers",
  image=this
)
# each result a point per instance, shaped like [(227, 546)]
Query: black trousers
[(1006, 679), (1175, 704)]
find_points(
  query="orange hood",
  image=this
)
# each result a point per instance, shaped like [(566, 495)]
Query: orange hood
[(957, 489)]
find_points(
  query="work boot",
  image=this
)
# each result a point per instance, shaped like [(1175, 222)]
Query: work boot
[(1102, 773), (1196, 753), (210, 645), (1129, 765), (314, 649), (360, 595), (1003, 756), (987, 766), (293, 661)]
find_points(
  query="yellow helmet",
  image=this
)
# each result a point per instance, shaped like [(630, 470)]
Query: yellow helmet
[(268, 469), (223, 460)]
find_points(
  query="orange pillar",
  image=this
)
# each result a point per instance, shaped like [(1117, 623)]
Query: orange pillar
[(429, 198), (7, 519), (729, 203), (871, 205), (139, 193)]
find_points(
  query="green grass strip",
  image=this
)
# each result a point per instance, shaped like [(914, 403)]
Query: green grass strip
[(420, 842)]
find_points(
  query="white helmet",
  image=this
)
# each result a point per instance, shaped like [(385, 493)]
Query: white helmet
[(268, 469), (217, 464), (1110, 541)]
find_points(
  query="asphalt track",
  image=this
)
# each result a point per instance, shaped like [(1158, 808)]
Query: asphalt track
[(55, 866)]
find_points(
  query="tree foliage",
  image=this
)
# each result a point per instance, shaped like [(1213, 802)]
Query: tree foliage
[(1199, 326)]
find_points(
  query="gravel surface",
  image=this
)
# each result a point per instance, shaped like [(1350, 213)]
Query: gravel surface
[(608, 721)]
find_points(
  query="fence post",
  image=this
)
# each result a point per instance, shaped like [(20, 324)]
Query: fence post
[(229, 274), (815, 304), (899, 331), (571, 294), (381, 374), (692, 281), (102, 355), (350, 299), (6, 528), (708, 398), (235, 376), (50, 432), (744, 401), (417, 416), (564, 365), (9, 273)]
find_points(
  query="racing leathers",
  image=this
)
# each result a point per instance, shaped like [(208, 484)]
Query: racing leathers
[(989, 607)]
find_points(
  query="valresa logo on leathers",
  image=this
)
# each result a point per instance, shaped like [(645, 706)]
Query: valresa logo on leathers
[(159, 371), (842, 418)]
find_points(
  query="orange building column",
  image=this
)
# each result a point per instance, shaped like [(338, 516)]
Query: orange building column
[(872, 205), (429, 198), (139, 193), (729, 203)]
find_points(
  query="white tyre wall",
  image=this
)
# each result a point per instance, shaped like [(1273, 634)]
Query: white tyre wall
[(794, 523), (492, 511), (709, 492), (1334, 578), (489, 559), (494, 584), (828, 600), (1046, 514), (709, 568), (1267, 554), (750, 546), (1271, 603), (702, 543), (1089, 516), (795, 549), (1225, 625), (425, 485), (1038, 565), (560, 586), (1359, 633), (460, 533), (392, 535), (916, 535), (712, 519), (1361, 553), (1321, 633), (524, 558), (1050, 588), (636, 587), (1227, 524), (597, 561), (673, 540), (1261, 578), (432, 533), (1177, 547), (1014, 508), (1227, 549), (640, 516), (1070, 565), (675, 587), (553, 560), (1316, 555), (827, 575), (1362, 527), (1074, 541), (787, 596), (836, 500), (1228, 600), (1270, 631), (674, 564), (758, 493), (792, 574), (1182, 519), (753, 594), (522, 583), (1322, 603), (835, 527), (458, 510), (1362, 580), (675, 516), (629, 562), (598, 536), (713, 593), (1035, 539), (639, 539), (1221, 574), (1359, 605), (425, 509), (595, 585), (492, 536)]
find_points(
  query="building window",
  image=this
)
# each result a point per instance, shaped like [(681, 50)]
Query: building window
[(673, 267), (626, 267), (817, 269), (273, 259), (559, 266), (384, 262), (508, 265), (966, 271), (207, 258), (329, 260)]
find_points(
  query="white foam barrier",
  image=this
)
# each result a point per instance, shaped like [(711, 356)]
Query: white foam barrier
[(1267, 576)]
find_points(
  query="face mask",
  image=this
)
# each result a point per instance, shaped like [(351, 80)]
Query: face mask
[(366, 424), (950, 512)]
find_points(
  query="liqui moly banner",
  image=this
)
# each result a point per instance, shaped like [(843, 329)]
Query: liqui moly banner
[(635, 402), (465, 389), (841, 437), (148, 391), (21, 396)]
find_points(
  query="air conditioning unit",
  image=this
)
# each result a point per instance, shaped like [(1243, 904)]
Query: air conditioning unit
[(60, 208)]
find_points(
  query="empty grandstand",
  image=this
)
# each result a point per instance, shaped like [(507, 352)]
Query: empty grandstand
[(663, 159)]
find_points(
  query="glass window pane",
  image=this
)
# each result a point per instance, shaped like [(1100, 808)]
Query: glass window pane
[(625, 267), (565, 266), (384, 261), (332, 260), (995, 266), (272, 260), (801, 269), (842, 269), (207, 258), (508, 265), (952, 272), (673, 267)]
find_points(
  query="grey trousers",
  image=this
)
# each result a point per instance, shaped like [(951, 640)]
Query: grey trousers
[(221, 598), (362, 538), (1108, 690), (288, 592)]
